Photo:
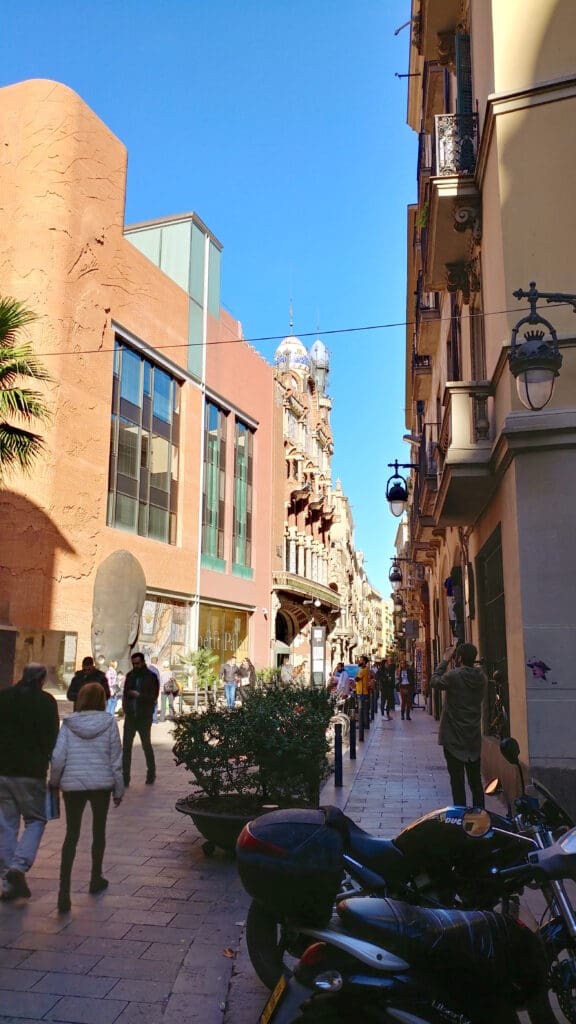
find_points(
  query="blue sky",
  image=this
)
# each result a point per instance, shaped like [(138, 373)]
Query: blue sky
[(282, 124)]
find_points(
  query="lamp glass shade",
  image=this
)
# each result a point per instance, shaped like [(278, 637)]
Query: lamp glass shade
[(535, 387), (396, 584), (397, 508)]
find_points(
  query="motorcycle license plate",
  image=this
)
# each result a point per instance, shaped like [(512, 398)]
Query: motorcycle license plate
[(273, 1001)]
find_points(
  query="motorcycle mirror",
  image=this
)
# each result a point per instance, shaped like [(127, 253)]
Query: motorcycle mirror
[(510, 749), (493, 787), (476, 823)]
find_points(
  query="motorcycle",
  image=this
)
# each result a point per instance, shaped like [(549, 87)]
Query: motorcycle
[(292, 862), (382, 961)]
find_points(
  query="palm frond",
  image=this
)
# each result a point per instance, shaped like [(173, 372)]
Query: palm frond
[(23, 403), (18, 448), (20, 361), (13, 316)]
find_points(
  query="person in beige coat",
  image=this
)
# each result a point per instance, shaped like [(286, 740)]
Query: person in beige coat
[(87, 766)]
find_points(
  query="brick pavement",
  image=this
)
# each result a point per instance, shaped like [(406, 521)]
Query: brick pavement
[(155, 946)]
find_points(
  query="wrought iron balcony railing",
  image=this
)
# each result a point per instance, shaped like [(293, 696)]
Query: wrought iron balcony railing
[(456, 144)]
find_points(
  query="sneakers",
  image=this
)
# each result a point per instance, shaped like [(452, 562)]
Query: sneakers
[(150, 780), (18, 886), (97, 885)]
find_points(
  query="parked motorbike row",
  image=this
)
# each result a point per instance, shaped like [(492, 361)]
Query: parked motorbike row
[(420, 929)]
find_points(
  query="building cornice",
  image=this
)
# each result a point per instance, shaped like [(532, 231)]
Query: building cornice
[(513, 100)]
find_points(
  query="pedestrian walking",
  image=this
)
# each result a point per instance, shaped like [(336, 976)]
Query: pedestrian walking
[(87, 674), (87, 766), (363, 687), (229, 674), (153, 667), (405, 682), (460, 732), (168, 690), (386, 679), (113, 686), (286, 672), (247, 677), (138, 702), (28, 731)]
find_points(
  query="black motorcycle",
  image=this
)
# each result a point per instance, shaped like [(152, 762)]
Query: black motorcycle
[(384, 961), (292, 863)]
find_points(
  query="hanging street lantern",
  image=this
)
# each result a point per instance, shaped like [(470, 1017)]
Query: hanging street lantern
[(535, 363), (397, 488)]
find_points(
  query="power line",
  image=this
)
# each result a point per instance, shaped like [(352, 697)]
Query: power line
[(280, 337)]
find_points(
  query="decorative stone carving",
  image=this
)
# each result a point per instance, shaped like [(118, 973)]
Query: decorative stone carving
[(463, 277), (447, 50), (467, 217)]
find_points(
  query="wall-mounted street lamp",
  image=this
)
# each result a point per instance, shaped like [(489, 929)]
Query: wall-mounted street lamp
[(395, 576), (536, 362), (397, 488)]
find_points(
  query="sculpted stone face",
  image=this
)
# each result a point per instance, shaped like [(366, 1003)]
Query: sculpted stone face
[(119, 594)]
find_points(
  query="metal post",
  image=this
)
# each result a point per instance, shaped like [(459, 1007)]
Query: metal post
[(361, 719), (366, 708), (352, 740), (338, 756), (371, 698)]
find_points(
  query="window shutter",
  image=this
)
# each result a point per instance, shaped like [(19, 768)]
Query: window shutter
[(463, 73)]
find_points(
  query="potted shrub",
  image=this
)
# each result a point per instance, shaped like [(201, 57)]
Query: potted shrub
[(271, 752), (202, 664)]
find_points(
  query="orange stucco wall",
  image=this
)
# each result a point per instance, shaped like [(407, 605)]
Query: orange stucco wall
[(62, 253)]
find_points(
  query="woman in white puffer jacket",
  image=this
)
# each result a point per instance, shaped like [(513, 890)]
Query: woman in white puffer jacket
[(87, 766)]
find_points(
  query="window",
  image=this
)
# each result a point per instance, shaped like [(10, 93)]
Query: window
[(243, 478), (214, 487), (142, 488)]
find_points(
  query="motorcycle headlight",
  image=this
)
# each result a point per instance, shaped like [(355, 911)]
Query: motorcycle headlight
[(568, 841)]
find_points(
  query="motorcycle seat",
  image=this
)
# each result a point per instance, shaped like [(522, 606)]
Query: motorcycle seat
[(472, 939), (379, 855)]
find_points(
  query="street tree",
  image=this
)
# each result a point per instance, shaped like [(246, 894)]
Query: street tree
[(21, 406)]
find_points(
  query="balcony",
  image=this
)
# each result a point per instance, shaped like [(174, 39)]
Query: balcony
[(465, 477), (427, 320), (425, 490), (454, 204), (438, 18), (421, 377)]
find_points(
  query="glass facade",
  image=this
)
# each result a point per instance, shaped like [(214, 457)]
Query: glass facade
[(224, 631), (243, 477), (163, 630), (214, 486), (143, 473)]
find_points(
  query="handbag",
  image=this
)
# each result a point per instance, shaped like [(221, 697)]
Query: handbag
[(52, 803)]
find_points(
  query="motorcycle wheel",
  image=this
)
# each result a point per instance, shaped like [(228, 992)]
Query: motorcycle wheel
[(266, 942)]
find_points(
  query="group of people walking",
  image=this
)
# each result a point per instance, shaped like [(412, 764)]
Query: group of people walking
[(384, 680), (88, 764)]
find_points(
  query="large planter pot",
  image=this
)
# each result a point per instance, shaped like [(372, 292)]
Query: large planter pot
[(220, 821)]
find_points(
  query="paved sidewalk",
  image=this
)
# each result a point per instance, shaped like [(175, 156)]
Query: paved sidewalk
[(165, 941)]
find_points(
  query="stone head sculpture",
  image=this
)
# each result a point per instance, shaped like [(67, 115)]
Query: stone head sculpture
[(119, 594)]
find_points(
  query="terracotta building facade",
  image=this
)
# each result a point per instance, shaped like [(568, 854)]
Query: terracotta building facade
[(160, 434)]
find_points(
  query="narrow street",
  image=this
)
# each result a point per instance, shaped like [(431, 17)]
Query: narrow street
[(165, 941)]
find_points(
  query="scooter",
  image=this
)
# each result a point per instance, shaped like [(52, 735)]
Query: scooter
[(292, 863), (382, 961)]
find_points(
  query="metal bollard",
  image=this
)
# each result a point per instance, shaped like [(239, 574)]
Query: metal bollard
[(367, 712), (338, 756), (372, 705), (360, 719), (352, 737)]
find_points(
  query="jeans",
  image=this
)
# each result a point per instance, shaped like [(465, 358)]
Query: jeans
[(405, 700), (75, 801), (166, 698), (456, 771), (111, 705), (230, 692), (137, 724), (20, 798)]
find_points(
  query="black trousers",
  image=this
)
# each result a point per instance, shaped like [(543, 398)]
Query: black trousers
[(74, 802), (456, 771), (137, 724)]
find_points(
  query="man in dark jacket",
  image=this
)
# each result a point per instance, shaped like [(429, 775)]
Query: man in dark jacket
[(87, 674), (460, 731), (28, 731), (138, 702)]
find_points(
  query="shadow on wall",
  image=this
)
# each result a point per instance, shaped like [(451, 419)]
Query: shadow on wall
[(29, 541)]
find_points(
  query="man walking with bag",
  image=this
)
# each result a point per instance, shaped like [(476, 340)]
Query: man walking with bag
[(460, 732), (28, 731)]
